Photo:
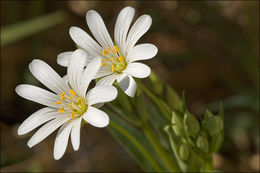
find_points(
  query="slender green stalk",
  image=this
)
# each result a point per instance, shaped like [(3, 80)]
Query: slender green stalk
[(130, 119), (168, 162), (138, 145), (159, 104)]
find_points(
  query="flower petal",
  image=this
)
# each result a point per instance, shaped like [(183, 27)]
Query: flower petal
[(63, 58), (140, 27), (138, 70), (98, 29), (96, 117), (123, 22), (75, 71), (103, 71), (101, 94), (37, 95), (82, 39), (128, 85), (47, 76), (36, 119), (61, 140), (142, 52), (108, 80), (47, 129), (75, 133), (89, 73)]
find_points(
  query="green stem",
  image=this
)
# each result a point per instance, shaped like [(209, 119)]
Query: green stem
[(168, 162), (138, 145), (159, 104), (130, 119)]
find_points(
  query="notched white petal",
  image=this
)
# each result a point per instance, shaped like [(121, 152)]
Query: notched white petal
[(142, 52), (82, 39), (37, 95), (63, 58), (47, 76), (75, 133), (138, 70), (128, 85), (61, 140), (101, 94), (98, 29), (36, 119), (47, 129), (96, 117)]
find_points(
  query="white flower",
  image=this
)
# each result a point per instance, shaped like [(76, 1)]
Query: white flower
[(118, 57), (68, 104)]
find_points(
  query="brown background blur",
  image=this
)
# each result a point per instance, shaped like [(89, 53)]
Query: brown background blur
[(209, 49)]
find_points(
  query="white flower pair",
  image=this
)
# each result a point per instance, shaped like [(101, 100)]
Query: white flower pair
[(69, 103)]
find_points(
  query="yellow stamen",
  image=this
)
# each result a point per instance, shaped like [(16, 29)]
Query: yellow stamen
[(120, 58), (112, 59), (71, 97), (103, 64), (72, 115), (108, 49), (62, 98), (113, 51), (61, 110), (116, 48), (70, 106), (62, 94), (57, 103), (105, 52), (104, 59), (72, 92), (80, 100), (113, 67)]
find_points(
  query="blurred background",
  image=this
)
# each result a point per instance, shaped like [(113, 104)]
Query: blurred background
[(209, 49)]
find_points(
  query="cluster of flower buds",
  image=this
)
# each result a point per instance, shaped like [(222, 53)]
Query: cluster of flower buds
[(195, 141)]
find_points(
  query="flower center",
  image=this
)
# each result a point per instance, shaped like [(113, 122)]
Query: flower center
[(71, 103), (114, 59)]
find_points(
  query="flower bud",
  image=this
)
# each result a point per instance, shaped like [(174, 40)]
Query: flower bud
[(202, 143), (172, 98), (184, 152), (176, 124), (191, 124), (156, 83), (216, 142), (214, 125)]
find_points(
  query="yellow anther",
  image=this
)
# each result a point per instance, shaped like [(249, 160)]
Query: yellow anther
[(72, 92), (113, 51), (112, 59), (68, 121), (61, 110), (105, 52), (70, 106), (72, 115), (62, 94), (71, 97), (113, 67), (62, 98), (116, 48), (120, 58), (104, 59), (57, 103), (108, 49), (103, 64), (79, 100)]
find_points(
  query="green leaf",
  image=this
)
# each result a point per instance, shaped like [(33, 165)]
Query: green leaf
[(21, 30), (134, 142)]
